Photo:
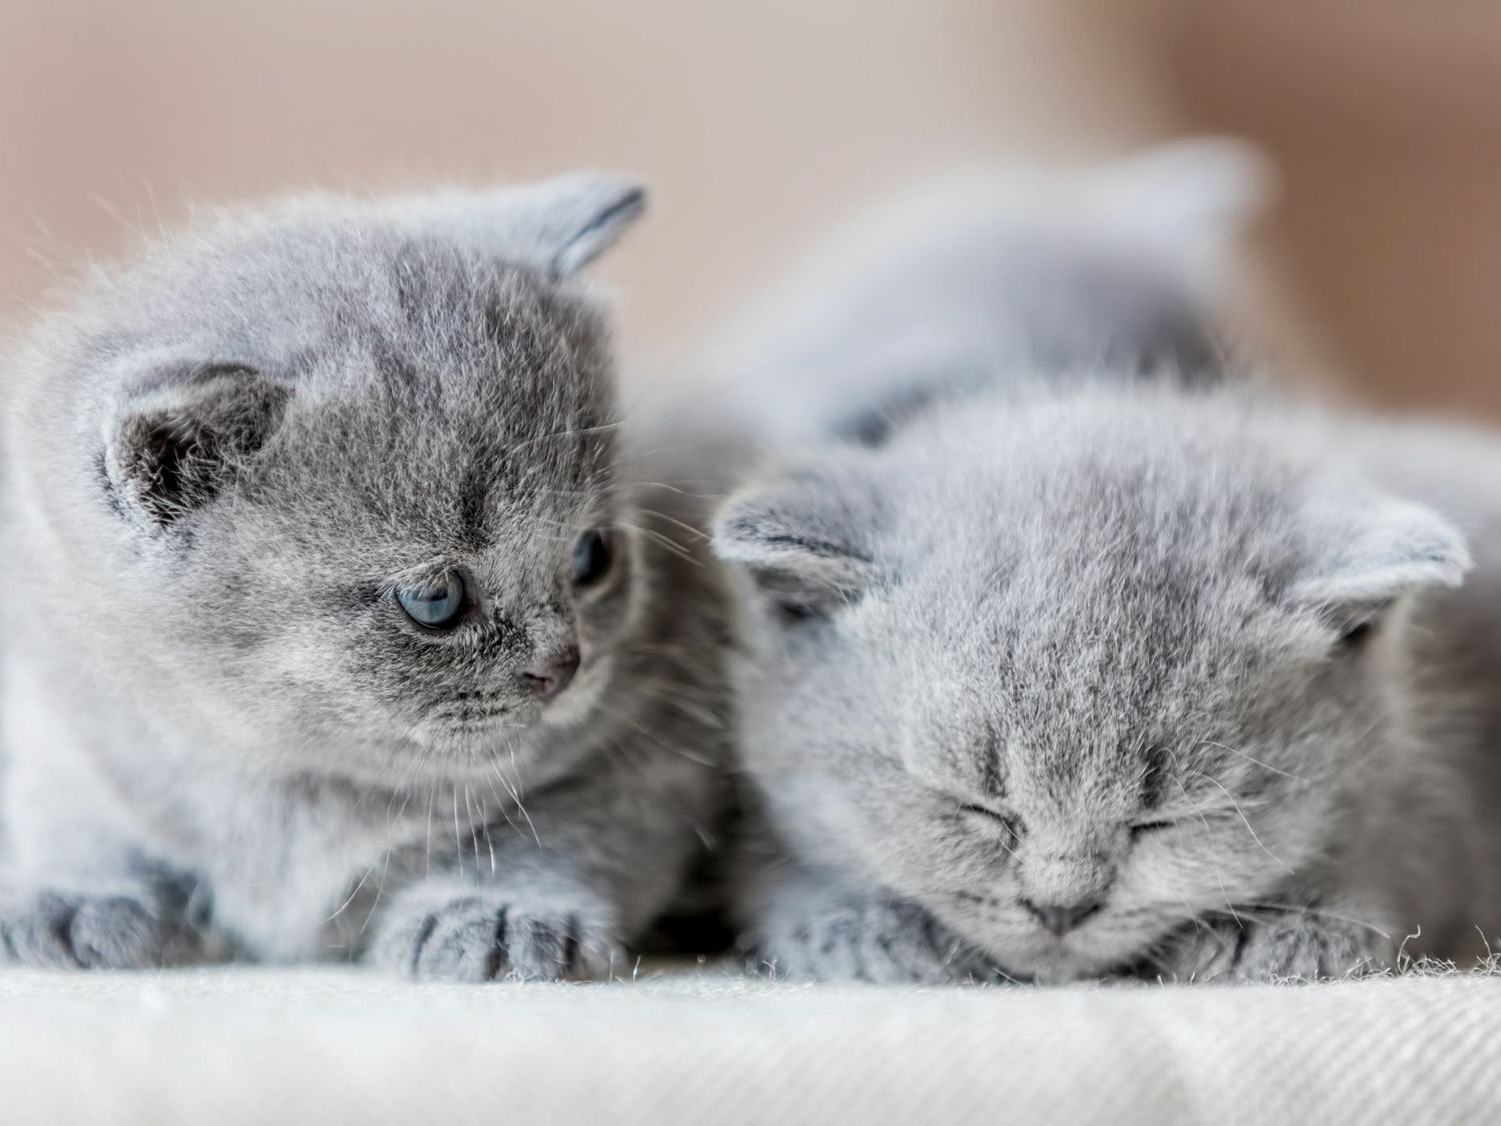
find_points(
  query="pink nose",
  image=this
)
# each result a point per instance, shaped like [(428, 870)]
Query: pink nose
[(550, 675)]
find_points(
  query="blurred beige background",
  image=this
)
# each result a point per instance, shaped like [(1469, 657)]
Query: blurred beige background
[(758, 123)]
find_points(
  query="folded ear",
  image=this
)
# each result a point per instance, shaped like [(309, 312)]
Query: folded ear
[(558, 225), (183, 435), (804, 541), (1375, 554)]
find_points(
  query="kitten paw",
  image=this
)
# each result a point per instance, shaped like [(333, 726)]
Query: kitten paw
[(488, 937), (1274, 946), (65, 930), (868, 940)]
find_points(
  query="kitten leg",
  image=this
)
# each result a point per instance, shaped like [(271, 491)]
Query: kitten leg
[(145, 920), (80, 889), (452, 930), (1263, 945), (590, 867), (810, 927)]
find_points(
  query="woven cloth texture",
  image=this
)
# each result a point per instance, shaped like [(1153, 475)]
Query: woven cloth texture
[(240, 1045)]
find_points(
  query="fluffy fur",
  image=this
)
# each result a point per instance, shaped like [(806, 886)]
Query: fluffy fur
[(1125, 680), (222, 732), (984, 281)]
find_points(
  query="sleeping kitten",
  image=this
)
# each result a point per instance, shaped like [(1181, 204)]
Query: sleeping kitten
[(332, 627), (1124, 680)]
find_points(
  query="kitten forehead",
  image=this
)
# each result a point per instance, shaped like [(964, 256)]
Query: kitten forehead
[(443, 394), (1119, 495)]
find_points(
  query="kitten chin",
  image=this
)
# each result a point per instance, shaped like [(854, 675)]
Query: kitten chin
[(1081, 955)]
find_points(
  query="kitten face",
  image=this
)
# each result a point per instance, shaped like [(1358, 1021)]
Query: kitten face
[(1072, 675), (354, 463), (474, 470)]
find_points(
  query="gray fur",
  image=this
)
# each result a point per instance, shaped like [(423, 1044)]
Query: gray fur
[(1194, 667), (985, 281), (220, 462)]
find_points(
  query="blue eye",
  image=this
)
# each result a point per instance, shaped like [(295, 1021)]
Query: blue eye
[(438, 604)]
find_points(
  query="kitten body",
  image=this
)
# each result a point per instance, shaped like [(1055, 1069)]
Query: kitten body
[(243, 477), (1125, 680), (985, 281)]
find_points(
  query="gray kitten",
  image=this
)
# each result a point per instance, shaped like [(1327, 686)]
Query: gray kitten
[(1124, 680), (333, 627), (988, 280)]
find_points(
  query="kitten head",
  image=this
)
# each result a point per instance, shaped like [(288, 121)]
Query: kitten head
[(342, 474), (1072, 674)]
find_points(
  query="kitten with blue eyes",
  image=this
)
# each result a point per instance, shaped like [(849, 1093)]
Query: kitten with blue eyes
[(1124, 680), (334, 626)]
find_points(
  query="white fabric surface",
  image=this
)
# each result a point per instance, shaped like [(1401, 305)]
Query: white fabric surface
[(240, 1045)]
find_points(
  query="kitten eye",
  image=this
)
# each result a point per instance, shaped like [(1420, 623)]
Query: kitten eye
[(435, 605), (1010, 824), (591, 557), (1141, 828), (1355, 626)]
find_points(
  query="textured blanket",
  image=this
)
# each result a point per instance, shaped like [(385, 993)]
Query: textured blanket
[(244, 1045)]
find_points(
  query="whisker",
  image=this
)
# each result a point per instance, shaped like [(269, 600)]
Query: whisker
[(1248, 758), (696, 533), (1318, 912), (1246, 821), (516, 798), (458, 848), (1219, 877), (340, 909), (666, 543)]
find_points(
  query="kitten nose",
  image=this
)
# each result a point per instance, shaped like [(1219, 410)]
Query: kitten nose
[(550, 675), (1060, 918)]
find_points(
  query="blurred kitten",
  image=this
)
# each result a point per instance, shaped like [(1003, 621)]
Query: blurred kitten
[(990, 280), (995, 281), (333, 627), (1124, 679)]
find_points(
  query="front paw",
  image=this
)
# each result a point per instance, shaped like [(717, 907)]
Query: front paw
[(1268, 946), (487, 935), (871, 940), (108, 931)]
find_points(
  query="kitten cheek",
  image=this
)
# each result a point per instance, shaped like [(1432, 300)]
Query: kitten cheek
[(1183, 881)]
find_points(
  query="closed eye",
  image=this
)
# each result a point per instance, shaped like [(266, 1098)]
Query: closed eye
[(1191, 817), (991, 817), (968, 807), (1142, 828)]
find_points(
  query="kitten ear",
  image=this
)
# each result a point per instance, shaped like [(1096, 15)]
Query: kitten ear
[(182, 436), (572, 220), (1191, 189), (1184, 204), (804, 542), (1363, 563), (558, 225)]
